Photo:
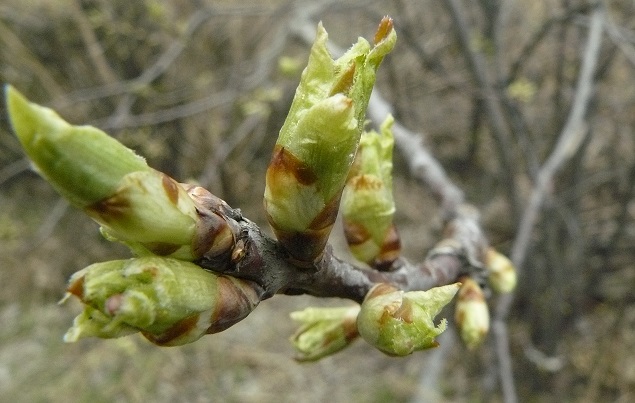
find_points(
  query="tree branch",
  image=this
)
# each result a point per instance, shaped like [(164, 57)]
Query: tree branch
[(568, 142)]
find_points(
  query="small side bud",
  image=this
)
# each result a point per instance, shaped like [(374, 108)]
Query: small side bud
[(399, 323), (472, 314), (171, 302), (368, 206), (501, 271), (324, 331)]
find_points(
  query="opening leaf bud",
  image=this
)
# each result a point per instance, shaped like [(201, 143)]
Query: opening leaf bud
[(368, 206), (398, 323), (171, 302), (318, 141)]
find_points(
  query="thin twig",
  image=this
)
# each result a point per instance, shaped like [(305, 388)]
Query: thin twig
[(500, 132), (568, 142)]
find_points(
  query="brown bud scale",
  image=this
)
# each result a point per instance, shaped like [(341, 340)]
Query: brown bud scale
[(284, 162), (177, 330), (171, 188), (384, 28)]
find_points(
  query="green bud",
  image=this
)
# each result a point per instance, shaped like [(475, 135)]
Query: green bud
[(398, 322), (150, 213), (324, 331), (143, 208), (318, 141), (501, 271), (471, 313), (171, 302), (368, 206), (82, 163)]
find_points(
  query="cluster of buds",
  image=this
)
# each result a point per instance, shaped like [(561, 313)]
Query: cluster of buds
[(368, 206), (171, 302), (134, 204), (399, 323), (168, 224), (471, 312), (318, 142)]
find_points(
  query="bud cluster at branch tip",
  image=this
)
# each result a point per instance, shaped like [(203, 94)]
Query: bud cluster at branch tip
[(324, 331), (318, 141), (143, 208), (171, 302), (368, 206), (471, 313), (399, 323)]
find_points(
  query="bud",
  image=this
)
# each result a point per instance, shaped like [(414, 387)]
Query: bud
[(143, 208), (471, 313), (501, 271), (317, 143), (82, 163), (398, 322), (171, 302), (368, 206), (324, 331)]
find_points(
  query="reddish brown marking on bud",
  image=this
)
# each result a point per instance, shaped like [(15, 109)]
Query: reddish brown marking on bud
[(238, 253), (174, 332), (111, 208), (355, 233), (212, 232), (366, 182), (404, 312), (284, 162), (232, 305), (385, 26), (470, 291), (390, 250), (343, 85), (161, 248), (113, 303), (171, 188), (327, 216), (151, 270), (307, 246), (304, 247), (77, 288), (380, 289), (350, 330)]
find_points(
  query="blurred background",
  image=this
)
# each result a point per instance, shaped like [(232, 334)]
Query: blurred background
[(201, 88)]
